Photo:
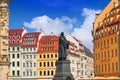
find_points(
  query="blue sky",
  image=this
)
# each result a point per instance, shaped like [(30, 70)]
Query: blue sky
[(70, 16), (25, 10)]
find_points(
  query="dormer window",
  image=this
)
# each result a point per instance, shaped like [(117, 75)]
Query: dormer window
[(13, 41)]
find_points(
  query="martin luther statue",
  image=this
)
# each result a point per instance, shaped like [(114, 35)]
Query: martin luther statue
[(63, 46), (62, 65)]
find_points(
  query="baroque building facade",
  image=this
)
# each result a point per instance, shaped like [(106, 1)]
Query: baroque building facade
[(33, 55), (106, 35), (15, 43), (30, 44), (80, 58), (47, 56)]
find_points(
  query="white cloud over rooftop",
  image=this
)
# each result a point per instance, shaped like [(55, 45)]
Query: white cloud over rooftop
[(66, 24)]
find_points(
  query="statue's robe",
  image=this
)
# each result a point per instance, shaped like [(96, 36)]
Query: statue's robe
[(63, 46)]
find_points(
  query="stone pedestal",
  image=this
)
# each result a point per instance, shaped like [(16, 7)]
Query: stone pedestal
[(63, 70)]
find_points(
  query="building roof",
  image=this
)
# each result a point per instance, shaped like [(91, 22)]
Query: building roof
[(100, 17), (73, 49), (15, 36), (30, 39), (15, 31), (88, 52), (48, 44)]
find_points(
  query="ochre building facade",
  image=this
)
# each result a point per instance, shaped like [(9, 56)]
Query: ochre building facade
[(47, 57), (106, 35)]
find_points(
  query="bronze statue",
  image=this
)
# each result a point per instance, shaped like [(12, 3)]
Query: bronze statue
[(63, 46)]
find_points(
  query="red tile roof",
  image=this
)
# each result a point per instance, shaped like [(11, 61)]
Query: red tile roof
[(30, 39), (73, 49), (48, 44), (15, 36), (15, 31)]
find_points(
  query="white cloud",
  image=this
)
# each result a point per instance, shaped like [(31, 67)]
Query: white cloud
[(49, 25), (84, 31), (66, 24)]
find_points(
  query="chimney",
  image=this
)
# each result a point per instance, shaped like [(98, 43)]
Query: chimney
[(51, 33), (41, 30), (23, 27)]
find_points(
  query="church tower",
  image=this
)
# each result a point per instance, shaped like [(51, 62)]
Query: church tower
[(4, 23)]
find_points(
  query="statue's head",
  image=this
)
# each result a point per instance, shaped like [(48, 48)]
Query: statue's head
[(62, 33)]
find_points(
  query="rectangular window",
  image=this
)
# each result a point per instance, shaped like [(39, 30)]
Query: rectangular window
[(23, 56), (34, 64), (51, 63), (105, 68), (56, 55), (34, 56), (51, 55), (108, 41), (23, 64), (99, 68), (112, 53), (44, 73), (23, 73), (108, 54), (101, 43), (48, 73), (18, 64), (13, 55), (13, 64), (116, 52), (48, 64), (104, 54), (111, 41), (47, 55), (108, 67), (40, 56), (102, 68), (18, 49), (115, 39), (98, 55), (18, 73), (34, 49), (52, 73), (18, 56), (27, 49), (104, 43), (13, 73), (116, 66), (31, 64), (113, 66), (40, 73), (44, 56), (40, 64), (27, 56), (34, 73), (44, 64)]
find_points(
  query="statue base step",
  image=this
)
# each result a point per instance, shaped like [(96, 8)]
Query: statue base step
[(63, 70)]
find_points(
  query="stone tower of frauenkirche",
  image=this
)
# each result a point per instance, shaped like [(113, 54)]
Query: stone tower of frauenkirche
[(4, 27)]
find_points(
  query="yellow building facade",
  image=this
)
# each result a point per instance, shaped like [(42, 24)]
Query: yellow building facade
[(4, 56), (47, 57), (106, 35)]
